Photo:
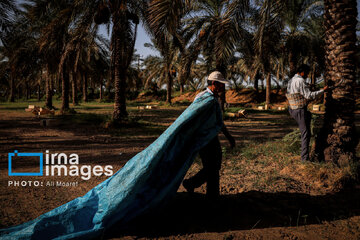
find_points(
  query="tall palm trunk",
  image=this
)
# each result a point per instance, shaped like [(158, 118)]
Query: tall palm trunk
[(182, 80), (292, 64), (74, 88), (337, 139), (27, 90), (256, 84), (120, 100), (39, 93), (48, 90), (85, 86), (257, 76), (122, 57), (268, 88), (19, 92), (313, 75), (119, 71), (39, 89), (65, 91), (59, 82), (12, 88), (101, 89), (169, 86)]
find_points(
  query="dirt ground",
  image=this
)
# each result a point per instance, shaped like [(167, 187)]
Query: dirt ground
[(286, 210), (241, 97)]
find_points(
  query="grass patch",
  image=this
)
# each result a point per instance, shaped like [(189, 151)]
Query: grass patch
[(20, 106), (273, 166)]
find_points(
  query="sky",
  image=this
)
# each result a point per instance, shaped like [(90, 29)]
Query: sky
[(141, 39)]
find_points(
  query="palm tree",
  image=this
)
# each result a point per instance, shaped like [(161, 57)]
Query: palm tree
[(295, 14), (165, 62), (314, 29), (170, 17), (85, 51), (153, 72), (220, 25), (50, 22), (246, 62), (208, 25), (80, 16), (163, 23), (21, 53), (337, 140), (8, 10), (266, 37), (156, 72), (125, 22)]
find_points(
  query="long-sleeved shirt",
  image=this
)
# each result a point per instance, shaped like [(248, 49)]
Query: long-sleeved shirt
[(297, 85)]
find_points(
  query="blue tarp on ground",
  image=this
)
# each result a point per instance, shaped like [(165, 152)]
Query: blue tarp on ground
[(147, 180)]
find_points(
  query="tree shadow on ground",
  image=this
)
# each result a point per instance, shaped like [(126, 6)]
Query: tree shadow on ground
[(193, 213)]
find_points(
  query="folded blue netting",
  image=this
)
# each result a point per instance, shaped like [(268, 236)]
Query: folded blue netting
[(147, 180)]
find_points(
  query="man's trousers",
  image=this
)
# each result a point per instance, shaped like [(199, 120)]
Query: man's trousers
[(211, 156), (303, 119)]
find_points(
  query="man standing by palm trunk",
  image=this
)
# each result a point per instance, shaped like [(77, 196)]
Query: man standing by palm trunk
[(298, 94)]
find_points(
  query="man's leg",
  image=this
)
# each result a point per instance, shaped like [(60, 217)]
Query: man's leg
[(195, 181), (200, 177), (212, 164), (302, 119), (211, 156)]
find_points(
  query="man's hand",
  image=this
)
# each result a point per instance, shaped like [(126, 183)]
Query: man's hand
[(326, 88)]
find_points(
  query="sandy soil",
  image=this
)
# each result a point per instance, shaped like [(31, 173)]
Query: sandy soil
[(242, 212), (241, 97)]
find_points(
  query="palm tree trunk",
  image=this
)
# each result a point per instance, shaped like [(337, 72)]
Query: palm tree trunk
[(85, 83), (256, 84), (74, 88), (101, 89), (182, 78), (12, 88), (27, 90), (39, 93), (65, 91), (48, 90), (59, 81), (292, 64), (181, 87), (122, 54), (169, 86), (120, 101), (119, 81), (39, 90), (313, 78), (268, 88), (337, 139), (19, 92)]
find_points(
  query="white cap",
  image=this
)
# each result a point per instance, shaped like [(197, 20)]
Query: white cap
[(218, 77)]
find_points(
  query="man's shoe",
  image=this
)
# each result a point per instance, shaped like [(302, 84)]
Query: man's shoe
[(187, 186)]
